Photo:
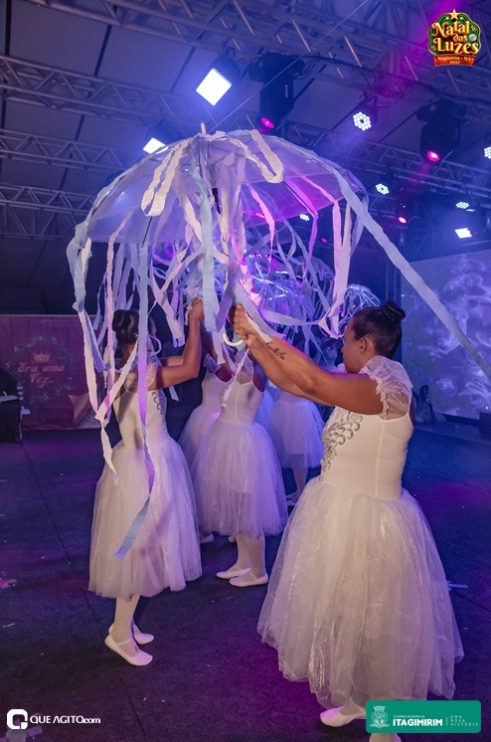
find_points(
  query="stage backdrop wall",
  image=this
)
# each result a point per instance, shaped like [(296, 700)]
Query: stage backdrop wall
[(44, 353), (430, 353)]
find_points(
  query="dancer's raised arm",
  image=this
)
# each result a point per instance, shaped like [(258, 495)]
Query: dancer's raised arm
[(191, 357), (355, 392)]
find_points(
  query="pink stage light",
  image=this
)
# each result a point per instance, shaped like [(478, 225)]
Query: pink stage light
[(402, 219), (432, 156), (267, 123)]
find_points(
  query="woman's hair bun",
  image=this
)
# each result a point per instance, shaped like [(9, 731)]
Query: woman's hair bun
[(120, 318), (125, 325), (392, 312)]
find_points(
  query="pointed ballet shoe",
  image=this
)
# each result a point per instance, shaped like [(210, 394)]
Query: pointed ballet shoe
[(248, 580), (139, 636), (227, 574), (140, 659), (336, 718), (207, 538)]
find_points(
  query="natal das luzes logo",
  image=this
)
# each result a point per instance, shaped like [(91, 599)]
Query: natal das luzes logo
[(379, 718), (454, 39)]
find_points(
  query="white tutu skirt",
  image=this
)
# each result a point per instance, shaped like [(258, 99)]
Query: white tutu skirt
[(198, 425), (265, 409), (238, 482), (166, 551), (358, 602), (296, 430)]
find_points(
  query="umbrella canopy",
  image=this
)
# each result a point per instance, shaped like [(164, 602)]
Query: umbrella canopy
[(212, 216), (267, 178)]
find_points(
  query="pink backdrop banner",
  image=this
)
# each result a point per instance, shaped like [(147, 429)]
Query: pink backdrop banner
[(44, 353)]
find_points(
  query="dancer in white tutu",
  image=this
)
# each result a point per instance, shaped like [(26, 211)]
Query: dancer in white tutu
[(358, 602), (265, 409), (295, 428), (203, 417), (165, 552), (237, 478)]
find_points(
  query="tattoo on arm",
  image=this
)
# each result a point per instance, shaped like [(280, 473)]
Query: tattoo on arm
[(277, 352)]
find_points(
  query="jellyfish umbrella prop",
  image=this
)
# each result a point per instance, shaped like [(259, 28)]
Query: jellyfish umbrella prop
[(179, 224)]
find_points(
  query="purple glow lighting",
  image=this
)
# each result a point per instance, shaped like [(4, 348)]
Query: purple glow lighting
[(324, 240), (267, 123), (432, 156), (402, 219)]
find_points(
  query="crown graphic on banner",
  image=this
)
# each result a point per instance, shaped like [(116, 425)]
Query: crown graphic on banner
[(41, 357)]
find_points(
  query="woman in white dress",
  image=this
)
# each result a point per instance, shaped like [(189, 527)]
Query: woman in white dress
[(295, 428), (237, 477), (165, 552), (203, 417), (358, 602)]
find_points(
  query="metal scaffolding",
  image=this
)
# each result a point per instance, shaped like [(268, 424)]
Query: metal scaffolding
[(55, 88), (40, 213), (15, 145), (359, 50), (348, 44)]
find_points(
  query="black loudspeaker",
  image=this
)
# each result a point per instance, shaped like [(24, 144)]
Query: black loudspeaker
[(485, 425)]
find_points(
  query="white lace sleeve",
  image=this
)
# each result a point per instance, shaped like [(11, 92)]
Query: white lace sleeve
[(393, 386)]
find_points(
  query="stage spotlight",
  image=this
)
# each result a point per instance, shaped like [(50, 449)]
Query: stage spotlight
[(406, 206), (487, 152), (220, 78), (153, 145), (277, 72), (304, 217), (463, 232), (441, 133), (462, 204), (275, 102), (365, 116), (266, 123), (362, 120), (382, 188), (159, 136), (431, 155)]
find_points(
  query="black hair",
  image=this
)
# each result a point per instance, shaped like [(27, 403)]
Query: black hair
[(382, 324), (125, 325)]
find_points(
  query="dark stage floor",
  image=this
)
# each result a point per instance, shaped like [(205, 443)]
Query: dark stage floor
[(211, 679)]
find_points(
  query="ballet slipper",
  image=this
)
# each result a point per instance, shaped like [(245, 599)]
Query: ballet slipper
[(248, 580), (139, 659), (232, 571), (139, 636), (339, 717)]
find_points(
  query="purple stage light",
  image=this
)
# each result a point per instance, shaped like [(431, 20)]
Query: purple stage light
[(432, 156), (267, 123)]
